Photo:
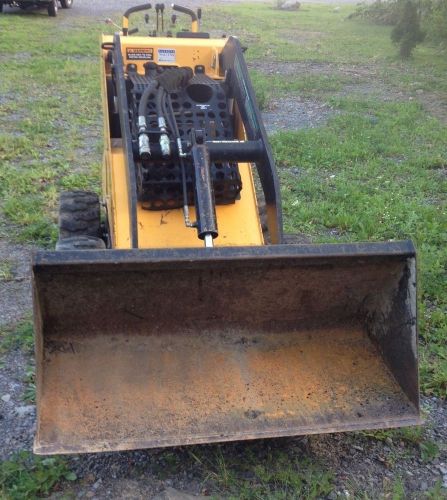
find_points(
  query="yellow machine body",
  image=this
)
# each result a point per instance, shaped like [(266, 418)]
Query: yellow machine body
[(170, 343), (166, 229)]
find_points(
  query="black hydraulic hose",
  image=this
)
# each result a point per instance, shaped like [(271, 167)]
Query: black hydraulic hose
[(159, 101), (178, 139), (142, 107), (169, 118), (143, 136), (171, 115)]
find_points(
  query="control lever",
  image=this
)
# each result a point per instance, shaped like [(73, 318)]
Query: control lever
[(162, 9)]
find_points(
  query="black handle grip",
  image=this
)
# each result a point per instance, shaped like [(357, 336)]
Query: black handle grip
[(137, 8), (130, 11), (185, 10), (249, 151)]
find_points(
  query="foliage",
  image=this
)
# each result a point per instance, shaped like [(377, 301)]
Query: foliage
[(387, 12), (25, 476), (434, 18), (407, 32), (50, 120), (380, 12)]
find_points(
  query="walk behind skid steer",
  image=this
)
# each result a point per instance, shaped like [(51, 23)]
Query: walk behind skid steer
[(179, 320)]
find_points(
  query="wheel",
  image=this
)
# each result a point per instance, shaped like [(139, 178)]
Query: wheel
[(66, 4), (79, 214), (52, 8), (1, 7)]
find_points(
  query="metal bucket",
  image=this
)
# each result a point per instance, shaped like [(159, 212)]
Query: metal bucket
[(150, 348)]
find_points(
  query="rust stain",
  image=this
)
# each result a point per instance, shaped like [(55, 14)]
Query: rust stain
[(180, 356), (148, 388)]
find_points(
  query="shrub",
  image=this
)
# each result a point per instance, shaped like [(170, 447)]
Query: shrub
[(407, 32), (433, 15)]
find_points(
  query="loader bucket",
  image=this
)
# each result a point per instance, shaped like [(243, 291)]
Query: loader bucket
[(151, 348)]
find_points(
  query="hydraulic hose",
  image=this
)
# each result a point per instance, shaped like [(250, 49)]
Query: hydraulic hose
[(143, 137), (145, 97), (175, 131)]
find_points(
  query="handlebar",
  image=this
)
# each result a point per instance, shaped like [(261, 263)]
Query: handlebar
[(189, 12), (130, 11)]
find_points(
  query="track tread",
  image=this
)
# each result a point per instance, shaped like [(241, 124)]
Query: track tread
[(79, 214)]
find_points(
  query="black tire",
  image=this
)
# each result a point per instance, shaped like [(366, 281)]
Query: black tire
[(52, 8), (79, 214), (1, 7), (66, 4)]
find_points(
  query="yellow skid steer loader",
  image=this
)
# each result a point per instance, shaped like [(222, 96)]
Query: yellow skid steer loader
[(178, 318)]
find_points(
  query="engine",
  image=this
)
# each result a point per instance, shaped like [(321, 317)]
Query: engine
[(181, 107)]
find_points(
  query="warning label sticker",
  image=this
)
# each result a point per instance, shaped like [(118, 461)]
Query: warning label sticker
[(140, 54), (166, 55)]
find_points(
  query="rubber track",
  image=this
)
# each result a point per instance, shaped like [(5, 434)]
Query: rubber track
[(79, 214)]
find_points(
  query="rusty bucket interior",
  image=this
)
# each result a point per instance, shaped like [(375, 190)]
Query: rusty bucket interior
[(151, 348)]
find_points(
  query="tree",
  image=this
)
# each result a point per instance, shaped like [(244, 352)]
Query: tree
[(407, 31)]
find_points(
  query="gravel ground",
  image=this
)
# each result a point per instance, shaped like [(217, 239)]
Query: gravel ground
[(15, 290), (101, 8), (294, 113), (17, 418), (97, 7)]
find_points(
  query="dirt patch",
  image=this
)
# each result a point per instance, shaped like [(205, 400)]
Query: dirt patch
[(314, 68), (435, 104), (365, 81), (294, 113)]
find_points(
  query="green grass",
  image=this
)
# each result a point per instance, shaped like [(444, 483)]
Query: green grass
[(25, 476), (268, 86), (19, 336), (414, 438), (6, 270), (317, 33), (29, 395), (259, 470), (50, 119)]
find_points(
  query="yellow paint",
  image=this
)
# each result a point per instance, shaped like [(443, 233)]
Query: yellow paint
[(238, 224), (188, 51), (120, 205)]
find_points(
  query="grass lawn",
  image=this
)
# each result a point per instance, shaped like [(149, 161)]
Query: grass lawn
[(376, 171)]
